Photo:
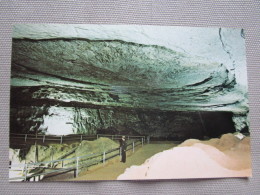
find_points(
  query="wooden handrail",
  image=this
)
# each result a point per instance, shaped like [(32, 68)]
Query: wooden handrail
[(77, 159), (71, 137)]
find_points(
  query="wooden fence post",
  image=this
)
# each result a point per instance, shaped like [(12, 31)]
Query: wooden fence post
[(60, 139), (52, 157), (43, 139), (104, 157), (77, 167), (35, 154), (133, 146), (81, 138), (142, 141), (25, 138), (25, 172), (97, 136)]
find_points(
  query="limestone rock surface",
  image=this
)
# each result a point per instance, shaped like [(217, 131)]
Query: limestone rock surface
[(100, 78)]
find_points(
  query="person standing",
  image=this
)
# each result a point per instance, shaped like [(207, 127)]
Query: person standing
[(123, 147)]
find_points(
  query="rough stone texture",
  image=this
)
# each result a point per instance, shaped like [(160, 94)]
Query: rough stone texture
[(90, 79), (169, 125), (241, 122)]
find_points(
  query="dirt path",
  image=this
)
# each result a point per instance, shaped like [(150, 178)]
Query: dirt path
[(112, 169)]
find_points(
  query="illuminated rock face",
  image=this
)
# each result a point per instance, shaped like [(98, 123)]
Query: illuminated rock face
[(102, 80)]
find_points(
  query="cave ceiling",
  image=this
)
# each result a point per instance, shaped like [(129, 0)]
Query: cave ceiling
[(131, 67)]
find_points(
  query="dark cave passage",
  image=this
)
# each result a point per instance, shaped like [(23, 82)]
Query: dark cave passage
[(157, 124), (176, 126)]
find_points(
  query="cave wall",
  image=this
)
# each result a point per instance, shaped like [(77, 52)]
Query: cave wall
[(158, 124)]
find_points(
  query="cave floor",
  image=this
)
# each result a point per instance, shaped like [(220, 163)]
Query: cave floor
[(113, 168)]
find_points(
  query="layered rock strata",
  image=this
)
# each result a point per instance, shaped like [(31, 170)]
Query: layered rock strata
[(95, 79)]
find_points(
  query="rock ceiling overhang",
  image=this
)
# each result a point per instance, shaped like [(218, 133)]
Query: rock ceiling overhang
[(138, 67)]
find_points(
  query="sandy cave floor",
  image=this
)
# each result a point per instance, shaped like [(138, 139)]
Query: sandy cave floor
[(215, 158), (224, 157), (114, 167)]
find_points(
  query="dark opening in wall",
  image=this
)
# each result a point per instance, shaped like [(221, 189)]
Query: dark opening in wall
[(218, 123), (174, 125)]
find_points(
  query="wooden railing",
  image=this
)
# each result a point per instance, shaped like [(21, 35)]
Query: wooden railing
[(56, 138), (72, 164), (117, 137), (73, 137)]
